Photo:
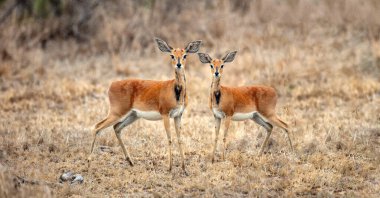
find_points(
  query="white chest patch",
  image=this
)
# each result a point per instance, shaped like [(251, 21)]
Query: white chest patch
[(242, 116), (218, 113), (176, 111), (148, 115)]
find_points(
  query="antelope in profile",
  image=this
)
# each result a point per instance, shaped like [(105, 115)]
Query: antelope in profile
[(240, 103), (132, 99)]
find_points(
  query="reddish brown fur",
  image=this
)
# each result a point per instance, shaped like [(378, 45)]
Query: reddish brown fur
[(225, 102), (178, 53), (248, 99), (244, 99), (149, 98), (145, 95)]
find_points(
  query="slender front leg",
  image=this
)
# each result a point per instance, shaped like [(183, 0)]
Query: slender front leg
[(227, 126), (177, 123), (167, 128), (217, 127)]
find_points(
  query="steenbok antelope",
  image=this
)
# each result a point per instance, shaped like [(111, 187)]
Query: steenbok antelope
[(132, 99), (240, 103)]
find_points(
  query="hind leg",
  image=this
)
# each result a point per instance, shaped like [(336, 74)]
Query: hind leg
[(275, 120), (259, 119), (131, 117), (111, 119)]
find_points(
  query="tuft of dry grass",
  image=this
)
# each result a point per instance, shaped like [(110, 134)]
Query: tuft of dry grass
[(322, 60)]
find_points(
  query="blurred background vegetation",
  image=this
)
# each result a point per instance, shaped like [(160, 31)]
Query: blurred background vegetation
[(57, 58), (116, 25)]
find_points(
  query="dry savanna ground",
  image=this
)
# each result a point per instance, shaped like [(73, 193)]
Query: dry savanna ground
[(327, 76)]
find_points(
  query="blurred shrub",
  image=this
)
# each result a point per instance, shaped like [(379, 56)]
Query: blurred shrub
[(40, 8), (118, 24)]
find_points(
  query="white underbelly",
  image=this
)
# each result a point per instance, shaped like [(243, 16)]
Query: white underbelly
[(242, 116), (155, 115), (148, 115)]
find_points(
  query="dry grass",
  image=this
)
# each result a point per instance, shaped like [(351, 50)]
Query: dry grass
[(324, 65)]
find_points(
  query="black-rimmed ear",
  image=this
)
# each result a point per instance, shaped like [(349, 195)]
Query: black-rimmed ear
[(229, 57), (193, 47), (204, 58), (162, 45)]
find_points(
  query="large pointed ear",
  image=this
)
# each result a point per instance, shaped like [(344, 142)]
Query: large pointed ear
[(162, 45), (204, 58), (193, 47), (229, 57)]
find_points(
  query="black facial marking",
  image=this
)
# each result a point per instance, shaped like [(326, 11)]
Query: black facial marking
[(217, 96), (177, 90)]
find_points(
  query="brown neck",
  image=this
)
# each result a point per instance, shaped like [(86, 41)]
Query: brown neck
[(180, 86), (215, 85), (180, 78), (215, 93)]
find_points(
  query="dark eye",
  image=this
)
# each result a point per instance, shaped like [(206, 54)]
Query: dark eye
[(172, 56), (222, 66), (211, 66), (184, 57)]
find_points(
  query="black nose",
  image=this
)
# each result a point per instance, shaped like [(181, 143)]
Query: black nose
[(216, 73), (179, 65)]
